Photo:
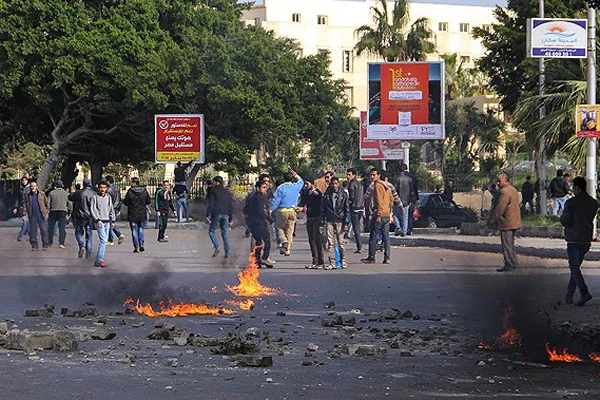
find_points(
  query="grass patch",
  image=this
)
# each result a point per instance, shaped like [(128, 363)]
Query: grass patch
[(540, 220)]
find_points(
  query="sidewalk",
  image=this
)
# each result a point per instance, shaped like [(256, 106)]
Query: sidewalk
[(528, 246)]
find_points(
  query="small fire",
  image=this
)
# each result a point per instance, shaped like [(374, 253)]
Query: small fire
[(594, 357), (249, 285), (171, 309), (246, 305), (510, 337), (561, 355)]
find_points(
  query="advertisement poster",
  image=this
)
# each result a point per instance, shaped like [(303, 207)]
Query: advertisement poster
[(179, 138), (557, 38), (586, 120), (378, 149), (406, 101)]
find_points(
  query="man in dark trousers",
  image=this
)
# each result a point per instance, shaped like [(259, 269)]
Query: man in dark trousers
[(559, 189), (335, 212), (82, 217), (59, 211), (163, 205), (36, 211), (257, 219), (23, 191), (357, 206), (310, 202), (115, 194), (219, 214), (137, 201), (578, 220), (527, 195)]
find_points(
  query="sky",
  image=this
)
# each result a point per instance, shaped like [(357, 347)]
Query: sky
[(489, 3)]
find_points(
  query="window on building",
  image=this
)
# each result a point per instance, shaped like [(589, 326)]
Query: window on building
[(257, 21), (443, 26), (321, 19), (347, 61), (296, 17), (463, 27), (465, 59), (323, 51)]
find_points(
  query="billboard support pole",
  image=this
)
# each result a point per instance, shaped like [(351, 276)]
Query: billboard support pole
[(590, 170), (542, 145)]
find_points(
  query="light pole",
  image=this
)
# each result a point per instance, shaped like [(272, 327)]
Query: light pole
[(542, 144), (591, 155)]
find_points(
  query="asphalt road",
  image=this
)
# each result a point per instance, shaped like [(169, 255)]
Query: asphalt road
[(458, 296)]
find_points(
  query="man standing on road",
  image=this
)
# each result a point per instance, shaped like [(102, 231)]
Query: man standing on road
[(103, 215), (311, 199), (115, 195), (163, 205), (24, 191), (449, 189), (284, 203), (36, 211), (137, 201), (59, 211), (380, 218), (578, 220), (559, 188), (335, 211), (257, 219), (506, 216), (357, 206), (219, 214), (82, 217)]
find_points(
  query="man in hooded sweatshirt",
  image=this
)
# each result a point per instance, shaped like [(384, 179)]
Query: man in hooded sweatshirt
[(137, 201)]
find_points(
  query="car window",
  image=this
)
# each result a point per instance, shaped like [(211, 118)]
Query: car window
[(448, 203), (436, 201)]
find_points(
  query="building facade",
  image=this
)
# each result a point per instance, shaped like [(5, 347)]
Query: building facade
[(329, 26)]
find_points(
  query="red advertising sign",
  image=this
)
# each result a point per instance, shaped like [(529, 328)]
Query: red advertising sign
[(378, 149), (179, 138), (405, 93)]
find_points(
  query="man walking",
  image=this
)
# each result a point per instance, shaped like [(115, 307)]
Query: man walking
[(527, 195), (23, 191), (284, 203), (137, 201), (311, 199), (163, 205), (357, 206), (59, 211), (82, 217), (506, 216), (115, 195), (405, 192), (103, 215), (257, 219), (578, 220), (219, 214), (336, 215), (559, 188), (383, 201), (36, 211)]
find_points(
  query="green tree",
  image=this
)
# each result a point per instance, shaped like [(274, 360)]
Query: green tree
[(392, 37)]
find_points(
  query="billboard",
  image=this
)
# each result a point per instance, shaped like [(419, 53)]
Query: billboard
[(406, 100), (371, 149), (179, 138), (557, 38), (586, 120)]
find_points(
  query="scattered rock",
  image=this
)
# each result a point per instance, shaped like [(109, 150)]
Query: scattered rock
[(312, 347), (45, 312), (281, 314), (390, 313), (64, 341), (28, 341), (252, 361), (160, 334), (349, 320), (202, 341), (181, 341), (363, 350), (82, 313), (103, 333), (329, 304), (3, 328), (332, 320), (253, 332), (406, 353), (407, 315), (172, 362)]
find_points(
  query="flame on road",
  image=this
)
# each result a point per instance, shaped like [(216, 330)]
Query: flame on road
[(246, 305), (249, 285), (561, 355), (171, 309)]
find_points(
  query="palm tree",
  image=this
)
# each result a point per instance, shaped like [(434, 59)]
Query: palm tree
[(392, 38)]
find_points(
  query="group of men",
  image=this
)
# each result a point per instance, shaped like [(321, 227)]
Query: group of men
[(559, 191)]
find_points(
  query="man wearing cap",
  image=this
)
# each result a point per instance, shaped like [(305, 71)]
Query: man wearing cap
[(82, 217), (284, 203), (59, 211)]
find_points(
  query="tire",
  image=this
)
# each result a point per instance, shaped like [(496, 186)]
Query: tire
[(432, 223)]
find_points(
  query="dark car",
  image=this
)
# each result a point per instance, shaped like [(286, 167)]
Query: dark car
[(439, 211)]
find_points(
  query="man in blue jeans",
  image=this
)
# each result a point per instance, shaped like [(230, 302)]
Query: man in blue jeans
[(219, 214), (82, 218), (578, 220), (137, 201), (103, 215)]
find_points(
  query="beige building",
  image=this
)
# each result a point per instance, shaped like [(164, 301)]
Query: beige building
[(329, 25)]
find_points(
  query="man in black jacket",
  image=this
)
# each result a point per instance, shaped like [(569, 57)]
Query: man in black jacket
[(311, 200), (219, 214), (257, 219), (163, 206), (357, 206), (335, 212), (578, 220), (559, 189), (137, 201), (82, 217)]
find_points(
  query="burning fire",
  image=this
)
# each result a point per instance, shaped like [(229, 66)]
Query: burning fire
[(561, 355), (510, 337), (242, 305), (249, 285), (170, 309), (594, 357)]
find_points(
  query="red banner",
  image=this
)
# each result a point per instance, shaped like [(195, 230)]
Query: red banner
[(378, 149), (404, 94), (179, 138)]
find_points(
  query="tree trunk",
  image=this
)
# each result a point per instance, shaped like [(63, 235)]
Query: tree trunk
[(69, 171), (49, 164), (96, 166), (189, 181)]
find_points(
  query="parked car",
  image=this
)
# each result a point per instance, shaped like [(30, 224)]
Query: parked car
[(439, 211)]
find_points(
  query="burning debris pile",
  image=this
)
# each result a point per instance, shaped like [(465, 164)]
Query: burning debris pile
[(171, 309)]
